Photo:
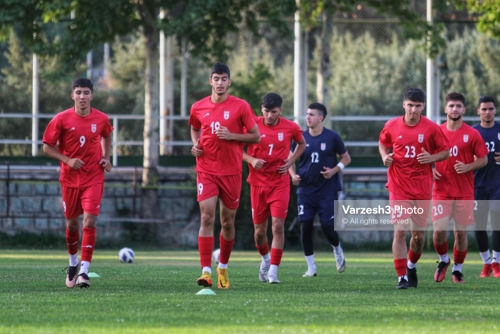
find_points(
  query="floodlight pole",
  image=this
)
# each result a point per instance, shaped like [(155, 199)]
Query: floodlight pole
[(166, 91), (35, 108), (432, 76), (299, 72)]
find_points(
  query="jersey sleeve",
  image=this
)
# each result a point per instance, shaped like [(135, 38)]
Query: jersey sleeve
[(248, 116), (385, 136), (53, 132), (339, 147), (107, 129), (440, 141), (480, 149), (193, 119), (296, 135)]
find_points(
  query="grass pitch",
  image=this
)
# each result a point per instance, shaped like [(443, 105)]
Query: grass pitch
[(157, 294)]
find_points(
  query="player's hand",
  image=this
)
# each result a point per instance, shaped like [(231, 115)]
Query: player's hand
[(497, 157), (283, 169), (436, 174), (257, 163), (388, 159), (424, 157), (196, 149), (327, 172), (106, 164), (75, 163), (461, 168), (223, 133), (296, 179)]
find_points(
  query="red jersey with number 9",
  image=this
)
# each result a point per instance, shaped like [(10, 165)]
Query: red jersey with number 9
[(220, 156), (79, 137)]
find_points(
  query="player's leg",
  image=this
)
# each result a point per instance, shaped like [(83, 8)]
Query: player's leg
[(442, 209), (278, 199), (481, 213), (260, 214), (326, 212), (463, 215), (306, 212), (399, 250), (495, 226), (72, 211)]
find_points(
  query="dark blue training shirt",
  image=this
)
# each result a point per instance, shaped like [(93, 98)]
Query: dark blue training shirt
[(489, 175)]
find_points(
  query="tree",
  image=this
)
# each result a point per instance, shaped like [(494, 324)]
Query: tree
[(91, 22), (488, 21)]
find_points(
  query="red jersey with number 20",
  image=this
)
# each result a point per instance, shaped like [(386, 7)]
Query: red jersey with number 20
[(465, 143), (274, 148), (79, 137), (220, 156), (406, 176)]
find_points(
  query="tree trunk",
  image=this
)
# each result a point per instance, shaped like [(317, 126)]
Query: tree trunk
[(324, 73)]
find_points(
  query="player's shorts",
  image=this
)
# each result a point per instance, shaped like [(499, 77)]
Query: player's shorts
[(323, 205), (269, 201), (79, 200), (487, 198), (461, 210), (226, 187), (403, 208)]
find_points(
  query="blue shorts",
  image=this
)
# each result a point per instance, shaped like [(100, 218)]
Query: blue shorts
[(323, 205), (487, 198)]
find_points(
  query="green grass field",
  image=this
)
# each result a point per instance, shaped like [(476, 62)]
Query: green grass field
[(157, 294)]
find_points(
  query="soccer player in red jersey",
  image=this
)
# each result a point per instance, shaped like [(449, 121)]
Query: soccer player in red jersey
[(268, 163), (80, 138), (416, 144), (220, 125), (453, 193)]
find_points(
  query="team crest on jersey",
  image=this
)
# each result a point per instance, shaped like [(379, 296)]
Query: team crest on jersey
[(323, 146), (466, 138), (280, 136), (93, 127), (226, 114), (420, 137)]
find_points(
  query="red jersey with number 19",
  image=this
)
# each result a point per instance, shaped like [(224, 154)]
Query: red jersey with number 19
[(465, 143), (274, 148), (79, 137), (406, 176), (220, 156)]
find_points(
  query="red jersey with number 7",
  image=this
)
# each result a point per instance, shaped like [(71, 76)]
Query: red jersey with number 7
[(220, 156), (406, 176), (79, 137)]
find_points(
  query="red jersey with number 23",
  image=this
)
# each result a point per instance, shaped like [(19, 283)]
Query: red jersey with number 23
[(220, 156), (465, 143), (406, 176), (79, 137)]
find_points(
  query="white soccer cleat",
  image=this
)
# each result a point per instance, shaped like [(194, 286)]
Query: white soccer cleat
[(264, 269), (273, 279), (340, 259), (311, 272)]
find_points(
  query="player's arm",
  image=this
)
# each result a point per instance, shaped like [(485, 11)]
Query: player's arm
[(106, 152), (251, 137), (53, 152), (462, 168), (292, 157), (195, 138), (384, 154), (345, 160), (427, 158), (255, 162), (293, 172)]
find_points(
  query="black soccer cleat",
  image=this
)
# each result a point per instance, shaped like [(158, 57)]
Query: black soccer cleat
[(412, 277), (403, 284)]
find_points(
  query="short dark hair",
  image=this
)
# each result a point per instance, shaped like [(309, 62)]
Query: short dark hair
[(272, 100), (220, 68), (454, 96), (82, 83), (319, 107), (414, 94), (486, 99)]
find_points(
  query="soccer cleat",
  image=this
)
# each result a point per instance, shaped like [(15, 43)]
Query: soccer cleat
[(310, 273), (412, 277), (71, 276), (273, 279), (440, 274), (486, 272), (495, 267), (340, 259), (222, 279), (205, 280), (264, 268), (403, 284), (83, 281), (457, 276)]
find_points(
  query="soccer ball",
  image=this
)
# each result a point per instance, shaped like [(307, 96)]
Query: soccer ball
[(216, 255), (126, 255)]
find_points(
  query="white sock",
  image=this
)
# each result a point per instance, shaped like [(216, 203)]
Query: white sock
[(84, 267), (401, 277), (486, 257), (411, 265), (457, 267), (273, 270), (337, 249), (266, 258), (496, 256), (310, 261), (206, 269), (444, 258), (222, 266), (73, 260)]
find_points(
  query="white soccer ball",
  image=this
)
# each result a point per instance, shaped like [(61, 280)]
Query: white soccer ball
[(126, 255), (216, 255)]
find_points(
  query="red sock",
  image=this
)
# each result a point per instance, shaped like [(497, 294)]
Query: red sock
[(442, 249), (226, 246), (88, 243), (72, 238), (400, 266), (205, 247), (264, 249), (459, 256), (276, 255), (413, 257)]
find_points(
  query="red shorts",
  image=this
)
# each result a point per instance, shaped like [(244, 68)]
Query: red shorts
[(226, 187), (79, 200), (403, 208), (461, 210), (269, 201)]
